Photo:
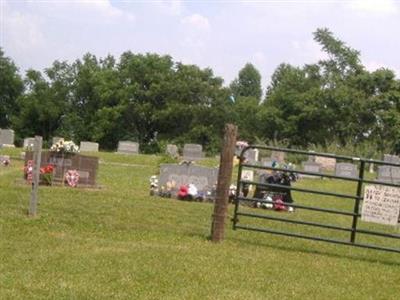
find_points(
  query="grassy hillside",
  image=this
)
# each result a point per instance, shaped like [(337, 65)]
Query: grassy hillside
[(117, 242)]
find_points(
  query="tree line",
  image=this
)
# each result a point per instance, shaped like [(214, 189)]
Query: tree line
[(152, 99)]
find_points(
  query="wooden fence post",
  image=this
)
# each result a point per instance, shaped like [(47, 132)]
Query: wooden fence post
[(224, 181), (37, 156)]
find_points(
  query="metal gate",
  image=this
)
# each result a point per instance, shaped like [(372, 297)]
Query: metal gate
[(336, 220)]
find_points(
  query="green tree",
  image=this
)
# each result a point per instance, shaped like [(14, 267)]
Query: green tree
[(248, 83), (11, 87)]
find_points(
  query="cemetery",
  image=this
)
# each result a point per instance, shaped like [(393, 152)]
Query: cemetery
[(190, 150), (178, 223)]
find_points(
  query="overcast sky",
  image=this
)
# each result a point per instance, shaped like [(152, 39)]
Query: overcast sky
[(223, 35)]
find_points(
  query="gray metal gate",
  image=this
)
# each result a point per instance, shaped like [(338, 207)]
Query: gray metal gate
[(377, 236)]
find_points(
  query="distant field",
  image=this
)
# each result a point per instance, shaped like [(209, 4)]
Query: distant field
[(117, 242)]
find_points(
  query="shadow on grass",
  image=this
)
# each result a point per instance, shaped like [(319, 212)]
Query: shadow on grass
[(328, 253)]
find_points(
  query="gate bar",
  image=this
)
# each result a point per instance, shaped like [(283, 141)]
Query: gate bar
[(318, 239)]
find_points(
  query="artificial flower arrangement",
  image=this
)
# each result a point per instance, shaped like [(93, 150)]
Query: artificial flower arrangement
[(64, 147), (46, 172)]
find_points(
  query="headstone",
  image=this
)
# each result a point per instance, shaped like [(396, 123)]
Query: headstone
[(346, 170), (278, 156), (381, 204), (177, 175), (56, 139), (86, 166), (193, 152), (389, 174), (327, 163), (7, 137), (172, 150), (252, 156), (265, 162), (22, 155), (128, 147), (311, 167), (391, 158), (89, 147), (29, 143)]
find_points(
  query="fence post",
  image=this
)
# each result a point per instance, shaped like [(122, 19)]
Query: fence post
[(37, 156), (224, 181)]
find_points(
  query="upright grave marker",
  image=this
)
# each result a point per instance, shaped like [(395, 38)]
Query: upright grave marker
[(7, 137), (128, 147), (389, 174), (177, 175), (346, 170), (172, 150), (29, 143), (192, 152), (327, 163), (278, 156), (89, 147), (313, 167)]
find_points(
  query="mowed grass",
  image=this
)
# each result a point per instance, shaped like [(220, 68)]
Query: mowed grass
[(117, 242)]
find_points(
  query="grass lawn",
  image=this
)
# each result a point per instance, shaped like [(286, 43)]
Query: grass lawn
[(118, 242)]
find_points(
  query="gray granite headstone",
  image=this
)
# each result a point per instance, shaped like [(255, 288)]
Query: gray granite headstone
[(177, 175), (172, 150), (311, 167), (193, 152), (391, 158), (389, 174), (128, 147), (7, 137), (346, 170), (29, 143), (89, 147)]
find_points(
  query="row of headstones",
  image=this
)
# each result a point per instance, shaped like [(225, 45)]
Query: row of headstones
[(125, 147), (316, 164), (190, 152)]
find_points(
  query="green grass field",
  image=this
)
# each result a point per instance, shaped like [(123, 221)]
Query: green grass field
[(117, 242)]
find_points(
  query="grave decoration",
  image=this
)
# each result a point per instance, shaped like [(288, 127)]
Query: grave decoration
[(240, 145), (185, 181), (64, 147), (5, 160)]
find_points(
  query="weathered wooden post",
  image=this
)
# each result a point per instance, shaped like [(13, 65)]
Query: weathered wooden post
[(224, 181), (37, 155)]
